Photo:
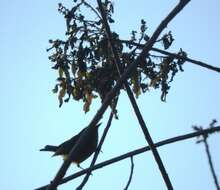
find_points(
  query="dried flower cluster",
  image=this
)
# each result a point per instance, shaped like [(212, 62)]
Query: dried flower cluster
[(85, 64)]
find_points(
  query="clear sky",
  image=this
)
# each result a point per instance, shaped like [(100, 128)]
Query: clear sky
[(31, 118)]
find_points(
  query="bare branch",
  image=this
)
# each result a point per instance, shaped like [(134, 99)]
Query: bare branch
[(131, 174), (138, 151), (200, 63)]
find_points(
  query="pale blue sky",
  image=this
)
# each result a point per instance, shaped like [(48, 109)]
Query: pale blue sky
[(30, 117)]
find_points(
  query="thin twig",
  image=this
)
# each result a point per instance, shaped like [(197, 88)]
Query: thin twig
[(211, 164), (137, 152), (207, 149), (131, 174), (157, 56), (62, 171), (99, 146), (91, 7), (196, 62)]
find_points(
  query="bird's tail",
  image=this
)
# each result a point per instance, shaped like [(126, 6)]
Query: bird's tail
[(49, 148)]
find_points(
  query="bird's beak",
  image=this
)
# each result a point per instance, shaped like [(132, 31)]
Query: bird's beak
[(55, 154), (98, 124)]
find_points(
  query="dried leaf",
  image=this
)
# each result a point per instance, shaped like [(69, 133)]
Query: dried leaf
[(61, 95), (136, 89), (55, 90), (88, 102), (60, 72)]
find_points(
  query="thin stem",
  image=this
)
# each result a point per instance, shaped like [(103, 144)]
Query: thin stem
[(131, 174), (91, 7), (211, 164)]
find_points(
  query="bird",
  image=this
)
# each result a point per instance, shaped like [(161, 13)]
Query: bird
[(83, 150)]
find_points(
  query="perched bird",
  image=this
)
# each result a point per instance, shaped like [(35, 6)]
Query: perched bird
[(83, 150)]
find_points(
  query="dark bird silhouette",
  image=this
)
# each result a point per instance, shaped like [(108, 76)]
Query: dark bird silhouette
[(83, 150)]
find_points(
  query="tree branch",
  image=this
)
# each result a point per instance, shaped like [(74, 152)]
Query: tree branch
[(62, 171), (138, 151), (200, 63)]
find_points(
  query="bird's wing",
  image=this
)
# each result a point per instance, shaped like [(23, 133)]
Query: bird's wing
[(66, 146)]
